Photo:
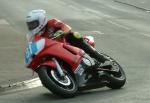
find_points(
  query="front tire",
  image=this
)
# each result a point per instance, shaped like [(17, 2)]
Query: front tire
[(64, 88)]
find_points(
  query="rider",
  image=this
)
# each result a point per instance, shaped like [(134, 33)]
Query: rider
[(38, 24)]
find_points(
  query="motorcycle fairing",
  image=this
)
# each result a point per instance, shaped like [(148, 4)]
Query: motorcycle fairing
[(33, 48), (49, 63), (82, 76), (67, 53)]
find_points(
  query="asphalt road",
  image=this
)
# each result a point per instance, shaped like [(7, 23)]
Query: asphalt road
[(122, 32), (141, 4)]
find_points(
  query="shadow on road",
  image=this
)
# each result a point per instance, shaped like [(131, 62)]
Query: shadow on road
[(89, 95)]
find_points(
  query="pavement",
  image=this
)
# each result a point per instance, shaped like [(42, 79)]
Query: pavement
[(141, 4), (122, 32), (12, 46)]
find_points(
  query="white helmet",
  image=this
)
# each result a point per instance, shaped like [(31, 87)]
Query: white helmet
[(36, 21)]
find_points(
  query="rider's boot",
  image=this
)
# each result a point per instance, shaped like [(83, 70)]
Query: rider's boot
[(104, 62), (76, 39)]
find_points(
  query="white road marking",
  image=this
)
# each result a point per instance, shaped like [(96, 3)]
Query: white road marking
[(98, 13), (143, 2), (74, 7), (119, 25), (33, 83), (24, 85), (83, 9), (92, 32), (147, 35), (98, 32), (3, 22)]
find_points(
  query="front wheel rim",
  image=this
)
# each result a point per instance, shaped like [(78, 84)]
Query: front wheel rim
[(66, 81), (68, 84)]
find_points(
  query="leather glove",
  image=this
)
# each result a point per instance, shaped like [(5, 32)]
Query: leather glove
[(77, 35), (59, 33)]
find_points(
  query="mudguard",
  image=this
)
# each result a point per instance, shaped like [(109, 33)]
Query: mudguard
[(49, 64)]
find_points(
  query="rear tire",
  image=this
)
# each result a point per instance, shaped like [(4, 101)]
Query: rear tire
[(64, 88), (117, 80)]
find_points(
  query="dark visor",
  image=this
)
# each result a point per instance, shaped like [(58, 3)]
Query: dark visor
[(32, 25)]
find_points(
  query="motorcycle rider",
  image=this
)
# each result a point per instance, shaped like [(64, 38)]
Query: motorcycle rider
[(38, 24)]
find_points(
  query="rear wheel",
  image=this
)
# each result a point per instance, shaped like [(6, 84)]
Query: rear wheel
[(64, 87), (116, 79)]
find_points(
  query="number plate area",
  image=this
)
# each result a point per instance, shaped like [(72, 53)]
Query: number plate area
[(32, 49)]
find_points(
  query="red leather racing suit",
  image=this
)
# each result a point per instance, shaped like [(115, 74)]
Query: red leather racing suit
[(53, 25)]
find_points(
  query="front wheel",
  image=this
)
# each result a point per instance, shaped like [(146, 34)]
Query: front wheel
[(65, 87)]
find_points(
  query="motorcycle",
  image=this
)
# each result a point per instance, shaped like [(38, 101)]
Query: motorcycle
[(65, 70)]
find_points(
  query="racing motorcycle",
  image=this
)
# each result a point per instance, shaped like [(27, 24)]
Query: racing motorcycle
[(65, 70)]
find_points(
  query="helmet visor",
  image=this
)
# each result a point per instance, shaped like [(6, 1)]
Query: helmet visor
[(33, 24)]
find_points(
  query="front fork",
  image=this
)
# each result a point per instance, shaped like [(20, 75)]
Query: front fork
[(58, 67)]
